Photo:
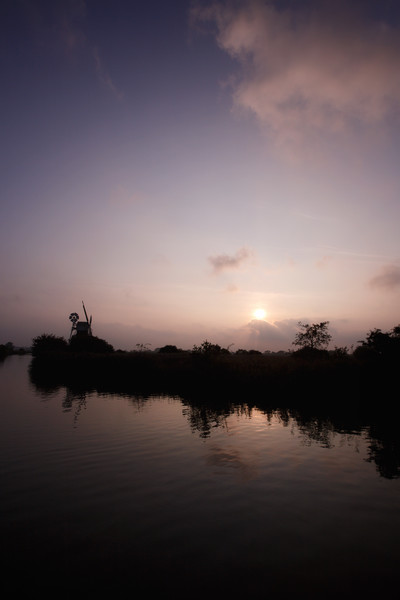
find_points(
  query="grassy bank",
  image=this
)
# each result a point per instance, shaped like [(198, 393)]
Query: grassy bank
[(236, 375)]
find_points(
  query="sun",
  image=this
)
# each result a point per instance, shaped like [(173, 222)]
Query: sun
[(259, 313)]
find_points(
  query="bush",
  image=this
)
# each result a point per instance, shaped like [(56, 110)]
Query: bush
[(310, 353), (207, 348), (90, 343), (47, 343), (169, 349)]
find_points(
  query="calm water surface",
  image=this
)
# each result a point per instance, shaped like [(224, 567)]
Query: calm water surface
[(129, 495)]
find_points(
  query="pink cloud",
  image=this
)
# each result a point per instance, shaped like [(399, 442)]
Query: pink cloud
[(323, 262), (306, 71), (261, 335), (222, 262), (388, 278)]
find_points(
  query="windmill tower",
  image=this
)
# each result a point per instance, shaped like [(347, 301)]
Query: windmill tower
[(81, 328)]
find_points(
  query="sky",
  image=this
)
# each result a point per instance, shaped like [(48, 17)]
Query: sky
[(180, 165)]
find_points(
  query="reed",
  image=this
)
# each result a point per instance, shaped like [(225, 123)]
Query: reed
[(237, 375)]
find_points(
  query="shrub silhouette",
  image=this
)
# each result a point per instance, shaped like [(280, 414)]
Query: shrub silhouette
[(47, 343), (208, 348), (309, 353), (169, 349), (90, 343)]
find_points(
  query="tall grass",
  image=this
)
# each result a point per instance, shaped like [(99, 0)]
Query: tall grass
[(238, 375)]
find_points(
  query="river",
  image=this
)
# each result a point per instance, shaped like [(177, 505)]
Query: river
[(104, 493)]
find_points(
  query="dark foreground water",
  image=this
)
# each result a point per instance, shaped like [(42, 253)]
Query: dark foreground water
[(129, 496)]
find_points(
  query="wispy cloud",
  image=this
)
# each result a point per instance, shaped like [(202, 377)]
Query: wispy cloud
[(61, 26), (104, 76), (323, 262), (57, 25), (387, 279), (69, 31), (316, 67), (223, 262)]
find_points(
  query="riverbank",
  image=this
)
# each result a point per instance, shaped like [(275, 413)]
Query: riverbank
[(10, 350), (237, 375)]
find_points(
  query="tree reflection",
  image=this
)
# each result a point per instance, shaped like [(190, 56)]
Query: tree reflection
[(76, 402), (323, 429), (384, 448), (320, 424), (204, 417), (379, 430)]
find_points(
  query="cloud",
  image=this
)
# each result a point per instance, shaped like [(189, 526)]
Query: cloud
[(222, 262), (104, 76), (388, 279), (315, 68), (61, 26), (56, 25), (261, 335), (69, 32), (323, 262)]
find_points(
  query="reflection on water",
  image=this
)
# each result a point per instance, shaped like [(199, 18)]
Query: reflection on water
[(221, 457), (76, 402), (326, 430), (204, 419), (109, 493)]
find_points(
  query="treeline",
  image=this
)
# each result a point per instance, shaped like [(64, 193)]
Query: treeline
[(47, 345), (309, 374), (311, 341), (8, 349)]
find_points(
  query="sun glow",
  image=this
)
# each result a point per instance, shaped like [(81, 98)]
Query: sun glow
[(259, 313)]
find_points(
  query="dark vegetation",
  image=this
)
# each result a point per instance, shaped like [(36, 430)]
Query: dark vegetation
[(336, 391), (8, 349), (307, 375), (50, 346), (316, 425)]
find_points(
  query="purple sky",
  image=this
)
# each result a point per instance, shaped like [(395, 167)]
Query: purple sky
[(178, 165)]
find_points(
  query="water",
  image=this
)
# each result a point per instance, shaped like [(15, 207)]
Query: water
[(113, 494)]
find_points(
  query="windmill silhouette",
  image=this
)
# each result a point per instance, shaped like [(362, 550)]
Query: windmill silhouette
[(81, 328)]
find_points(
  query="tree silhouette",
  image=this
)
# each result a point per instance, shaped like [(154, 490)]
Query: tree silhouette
[(380, 344), (208, 348), (313, 337)]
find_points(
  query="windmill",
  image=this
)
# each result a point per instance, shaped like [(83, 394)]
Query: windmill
[(81, 328), (74, 318)]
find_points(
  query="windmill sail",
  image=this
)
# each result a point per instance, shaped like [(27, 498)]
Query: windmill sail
[(85, 312), (81, 328)]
